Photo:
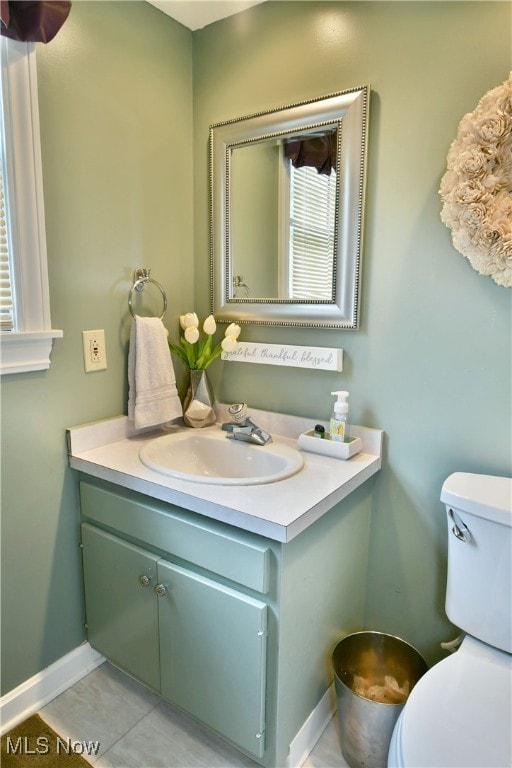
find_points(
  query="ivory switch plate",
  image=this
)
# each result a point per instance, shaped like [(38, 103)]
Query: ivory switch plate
[(95, 356)]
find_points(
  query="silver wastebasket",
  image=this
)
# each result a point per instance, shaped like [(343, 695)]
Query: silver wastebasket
[(373, 676)]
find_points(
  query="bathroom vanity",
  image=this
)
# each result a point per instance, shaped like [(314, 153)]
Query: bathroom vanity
[(226, 600)]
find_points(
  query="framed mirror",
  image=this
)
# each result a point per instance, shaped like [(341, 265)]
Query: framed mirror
[(286, 213)]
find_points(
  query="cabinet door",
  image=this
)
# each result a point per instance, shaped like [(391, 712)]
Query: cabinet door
[(213, 654), (121, 605)]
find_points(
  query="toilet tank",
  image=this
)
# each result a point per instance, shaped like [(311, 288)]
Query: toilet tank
[(479, 588)]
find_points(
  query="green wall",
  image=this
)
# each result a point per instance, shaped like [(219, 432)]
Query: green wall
[(431, 363), (115, 96), (126, 97)]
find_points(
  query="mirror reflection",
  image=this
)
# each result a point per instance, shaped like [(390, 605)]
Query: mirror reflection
[(286, 196), (283, 217)]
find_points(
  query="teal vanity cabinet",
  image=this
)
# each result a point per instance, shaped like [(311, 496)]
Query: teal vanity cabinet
[(234, 628), (196, 637)]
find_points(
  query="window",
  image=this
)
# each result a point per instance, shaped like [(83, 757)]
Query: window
[(26, 335), (307, 232), (312, 207)]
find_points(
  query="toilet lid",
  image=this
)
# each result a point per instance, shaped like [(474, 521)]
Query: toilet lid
[(459, 714)]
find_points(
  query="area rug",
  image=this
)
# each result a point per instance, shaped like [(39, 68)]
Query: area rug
[(33, 744)]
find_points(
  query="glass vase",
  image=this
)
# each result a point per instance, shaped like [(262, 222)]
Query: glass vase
[(198, 405)]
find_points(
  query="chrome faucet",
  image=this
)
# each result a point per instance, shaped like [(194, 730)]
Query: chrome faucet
[(242, 428)]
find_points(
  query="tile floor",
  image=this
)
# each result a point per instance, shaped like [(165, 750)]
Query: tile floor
[(136, 729)]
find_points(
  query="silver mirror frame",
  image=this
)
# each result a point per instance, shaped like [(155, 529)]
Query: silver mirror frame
[(348, 112)]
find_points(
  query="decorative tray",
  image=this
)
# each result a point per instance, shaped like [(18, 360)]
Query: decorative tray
[(309, 442)]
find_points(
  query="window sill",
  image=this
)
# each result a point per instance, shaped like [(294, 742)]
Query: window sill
[(22, 352)]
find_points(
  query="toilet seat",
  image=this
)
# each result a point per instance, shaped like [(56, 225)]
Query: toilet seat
[(459, 714)]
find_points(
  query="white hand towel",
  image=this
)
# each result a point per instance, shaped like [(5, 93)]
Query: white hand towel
[(153, 397)]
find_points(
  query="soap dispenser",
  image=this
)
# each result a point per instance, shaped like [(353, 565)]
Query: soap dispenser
[(339, 418)]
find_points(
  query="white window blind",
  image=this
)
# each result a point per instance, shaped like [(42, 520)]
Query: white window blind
[(312, 208), (6, 297)]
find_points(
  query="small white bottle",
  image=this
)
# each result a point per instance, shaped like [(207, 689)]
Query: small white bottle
[(339, 419)]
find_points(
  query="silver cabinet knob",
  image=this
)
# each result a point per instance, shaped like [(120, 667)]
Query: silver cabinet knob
[(160, 590), (144, 580)]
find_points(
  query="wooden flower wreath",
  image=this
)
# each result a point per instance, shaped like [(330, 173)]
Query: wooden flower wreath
[(476, 189)]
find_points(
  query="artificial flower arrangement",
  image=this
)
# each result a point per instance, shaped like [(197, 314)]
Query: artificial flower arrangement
[(197, 353), (476, 189)]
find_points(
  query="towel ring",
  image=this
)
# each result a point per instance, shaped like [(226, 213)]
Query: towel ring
[(140, 278)]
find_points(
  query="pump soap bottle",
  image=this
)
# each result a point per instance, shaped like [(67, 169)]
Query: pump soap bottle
[(339, 418)]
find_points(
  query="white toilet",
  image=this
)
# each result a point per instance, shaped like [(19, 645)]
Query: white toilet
[(460, 712)]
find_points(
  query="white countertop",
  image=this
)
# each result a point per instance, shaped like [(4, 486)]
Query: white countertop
[(109, 450)]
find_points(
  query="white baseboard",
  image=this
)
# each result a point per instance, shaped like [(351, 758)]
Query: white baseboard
[(315, 725), (34, 693)]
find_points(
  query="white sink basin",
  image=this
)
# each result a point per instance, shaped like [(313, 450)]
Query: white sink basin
[(209, 456)]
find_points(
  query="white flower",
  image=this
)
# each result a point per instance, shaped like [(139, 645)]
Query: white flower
[(197, 353), (192, 334), (190, 320), (228, 343), (470, 191), (492, 128), (448, 184), (471, 162), (209, 325), (473, 216), (233, 330)]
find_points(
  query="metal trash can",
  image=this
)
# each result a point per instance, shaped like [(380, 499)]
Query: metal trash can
[(373, 676)]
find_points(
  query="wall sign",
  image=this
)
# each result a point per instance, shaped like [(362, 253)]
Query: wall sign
[(319, 358)]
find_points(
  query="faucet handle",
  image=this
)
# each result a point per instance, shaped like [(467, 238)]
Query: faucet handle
[(238, 412)]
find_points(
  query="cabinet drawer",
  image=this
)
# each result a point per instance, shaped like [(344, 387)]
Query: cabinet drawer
[(236, 555)]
